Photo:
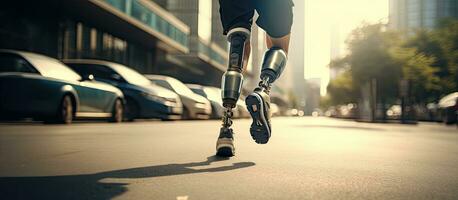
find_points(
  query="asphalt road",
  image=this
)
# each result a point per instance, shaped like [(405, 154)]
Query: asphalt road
[(307, 158)]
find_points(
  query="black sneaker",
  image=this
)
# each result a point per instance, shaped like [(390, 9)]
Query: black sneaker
[(258, 104), (225, 143)]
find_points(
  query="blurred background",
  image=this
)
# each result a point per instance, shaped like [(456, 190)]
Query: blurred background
[(372, 61), (147, 61)]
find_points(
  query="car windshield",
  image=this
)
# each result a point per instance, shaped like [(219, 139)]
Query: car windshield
[(13, 63), (213, 94), (199, 92), (180, 88), (51, 68), (131, 76)]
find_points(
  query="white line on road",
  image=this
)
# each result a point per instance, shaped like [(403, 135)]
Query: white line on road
[(182, 197)]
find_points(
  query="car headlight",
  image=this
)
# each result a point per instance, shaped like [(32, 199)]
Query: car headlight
[(154, 97), (200, 105)]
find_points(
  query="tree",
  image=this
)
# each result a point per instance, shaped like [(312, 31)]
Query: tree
[(442, 44), (341, 90), (370, 58), (418, 70), (447, 37), (428, 59)]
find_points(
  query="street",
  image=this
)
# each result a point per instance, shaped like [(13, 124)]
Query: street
[(306, 158)]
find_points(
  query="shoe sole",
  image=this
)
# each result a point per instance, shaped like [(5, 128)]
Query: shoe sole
[(225, 152), (255, 106)]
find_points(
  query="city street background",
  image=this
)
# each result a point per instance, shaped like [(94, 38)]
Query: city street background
[(379, 77), (307, 158)]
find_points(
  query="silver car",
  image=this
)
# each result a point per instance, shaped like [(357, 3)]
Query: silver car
[(194, 106), (213, 95)]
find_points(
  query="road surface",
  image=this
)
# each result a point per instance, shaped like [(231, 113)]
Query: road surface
[(307, 158)]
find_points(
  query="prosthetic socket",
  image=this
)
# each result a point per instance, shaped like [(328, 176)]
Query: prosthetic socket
[(232, 80), (273, 65)]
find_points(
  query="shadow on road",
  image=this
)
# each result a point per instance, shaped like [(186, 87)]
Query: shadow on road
[(342, 127), (92, 186)]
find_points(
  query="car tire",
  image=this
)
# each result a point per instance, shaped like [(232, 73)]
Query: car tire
[(214, 114), (64, 113), (131, 110), (448, 117), (117, 112), (186, 115)]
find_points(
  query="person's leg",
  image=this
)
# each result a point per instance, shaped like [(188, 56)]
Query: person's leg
[(236, 17), (275, 17), (282, 42)]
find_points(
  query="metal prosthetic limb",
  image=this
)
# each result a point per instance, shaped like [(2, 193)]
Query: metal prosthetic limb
[(273, 65), (232, 79)]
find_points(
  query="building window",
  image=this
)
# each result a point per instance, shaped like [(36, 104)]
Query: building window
[(429, 13), (414, 13)]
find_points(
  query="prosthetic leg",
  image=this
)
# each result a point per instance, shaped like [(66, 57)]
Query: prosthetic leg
[(231, 88), (258, 102)]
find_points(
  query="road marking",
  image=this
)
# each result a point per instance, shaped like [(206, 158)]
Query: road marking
[(182, 197)]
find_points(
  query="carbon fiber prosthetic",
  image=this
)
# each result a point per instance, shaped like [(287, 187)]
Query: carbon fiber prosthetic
[(232, 79)]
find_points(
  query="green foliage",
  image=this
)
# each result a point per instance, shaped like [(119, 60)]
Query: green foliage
[(370, 58), (341, 90), (418, 70), (441, 44), (427, 59)]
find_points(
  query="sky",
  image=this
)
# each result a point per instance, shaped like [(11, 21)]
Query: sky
[(322, 16)]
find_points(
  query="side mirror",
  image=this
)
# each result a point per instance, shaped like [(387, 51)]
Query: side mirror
[(89, 77)]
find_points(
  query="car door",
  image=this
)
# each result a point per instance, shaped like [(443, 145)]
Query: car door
[(104, 75)]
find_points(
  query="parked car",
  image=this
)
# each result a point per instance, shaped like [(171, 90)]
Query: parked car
[(40, 87), (394, 112), (194, 106), (274, 109), (448, 108), (143, 98), (242, 110), (213, 95), (433, 111), (331, 112)]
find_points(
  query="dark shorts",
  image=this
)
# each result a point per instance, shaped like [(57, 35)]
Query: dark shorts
[(275, 16)]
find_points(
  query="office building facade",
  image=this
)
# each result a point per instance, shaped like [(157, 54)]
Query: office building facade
[(141, 34), (408, 15)]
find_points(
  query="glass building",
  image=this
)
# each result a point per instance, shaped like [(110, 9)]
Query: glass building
[(414, 14), (142, 34)]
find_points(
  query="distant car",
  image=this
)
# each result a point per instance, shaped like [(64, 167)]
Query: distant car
[(274, 109), (394, 112), (331, 112), (347, 111), (194, 106), (143, 98), (213, 95), (433, 109), (40, 87), (448, 108), (242, 109)]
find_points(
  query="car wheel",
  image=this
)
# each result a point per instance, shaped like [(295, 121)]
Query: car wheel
[(117, 112), (64, 113), (131, 111), (448, 118), (185, 115)]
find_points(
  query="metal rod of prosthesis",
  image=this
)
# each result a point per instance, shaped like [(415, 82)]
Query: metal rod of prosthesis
[(265, 83), (227, 118)]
